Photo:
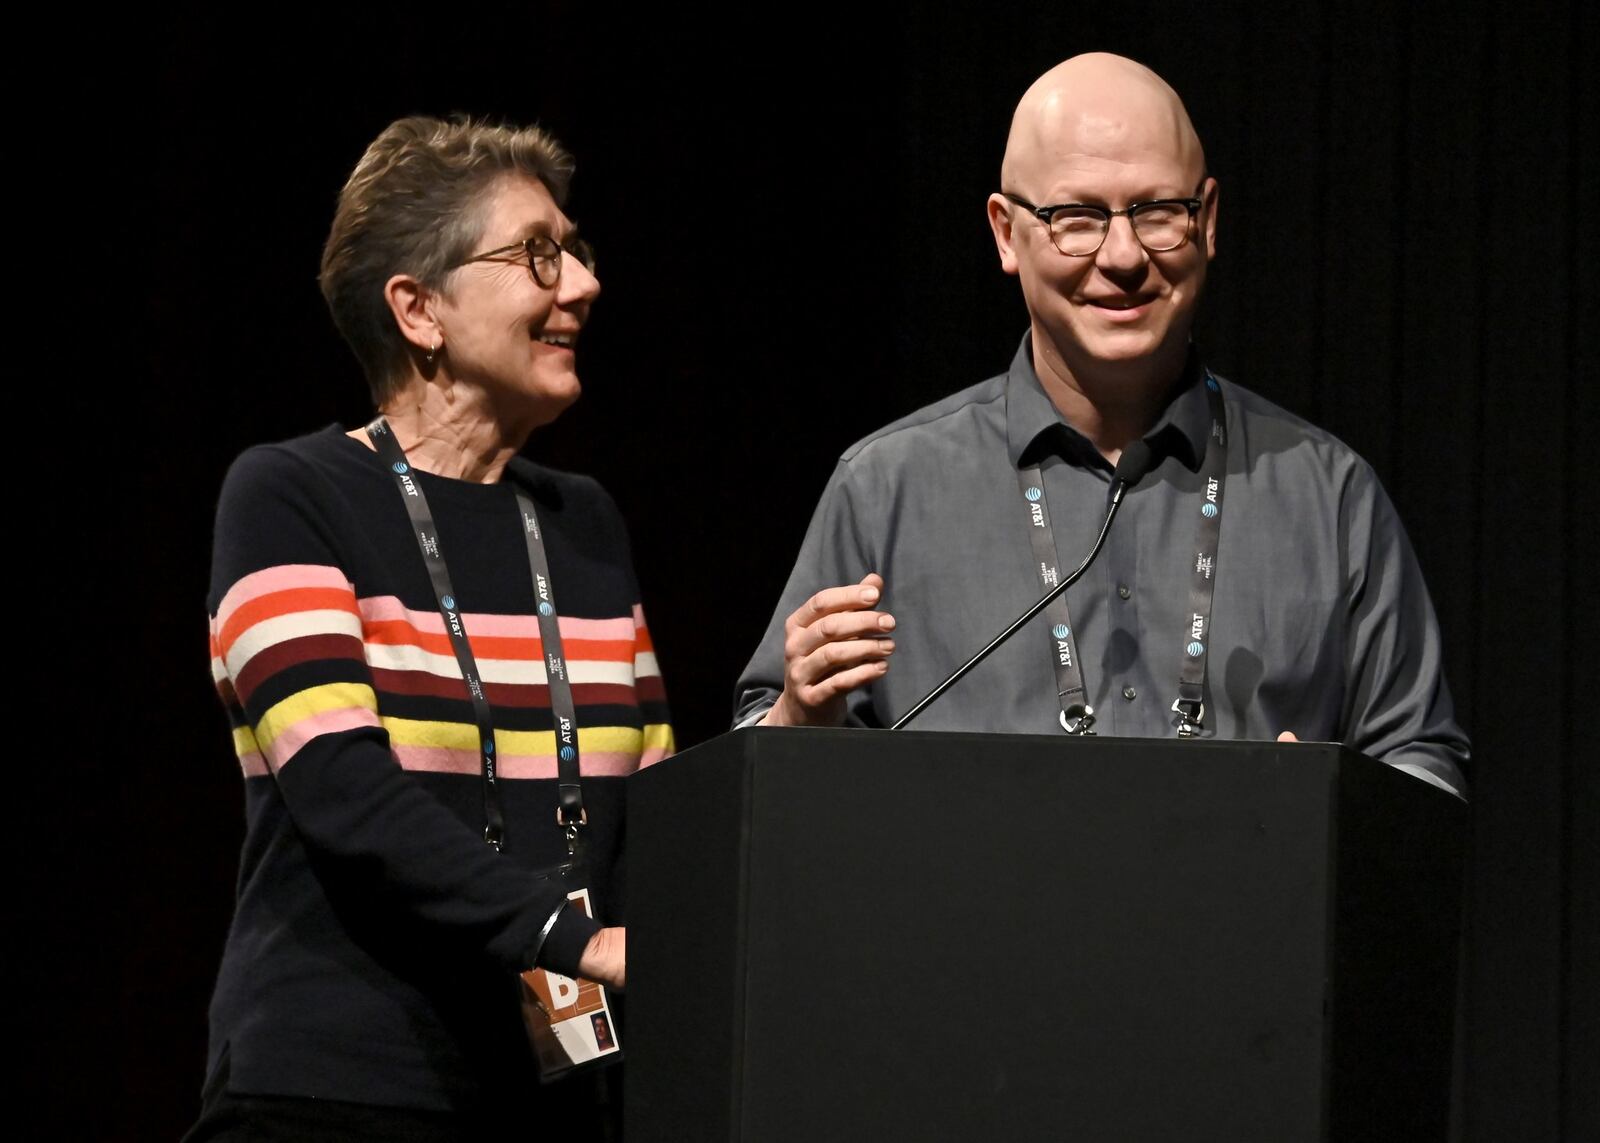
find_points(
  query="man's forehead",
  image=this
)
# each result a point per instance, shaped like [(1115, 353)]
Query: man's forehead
[(1086, 176)]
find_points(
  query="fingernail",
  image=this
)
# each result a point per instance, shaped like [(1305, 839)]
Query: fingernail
[(886, 623), (887, 646), (869, 595)]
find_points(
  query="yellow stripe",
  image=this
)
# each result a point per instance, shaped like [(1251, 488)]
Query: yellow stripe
[(464, 736), (244, 742), (658, 735), (310, 702)]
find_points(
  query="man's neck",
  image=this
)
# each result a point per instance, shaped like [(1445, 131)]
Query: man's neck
[(1110, 403), (451, 430)]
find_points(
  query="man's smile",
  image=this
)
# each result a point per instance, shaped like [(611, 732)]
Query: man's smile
[(1122, 307)]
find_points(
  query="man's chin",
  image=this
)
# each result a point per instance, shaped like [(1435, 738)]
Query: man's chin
[(1122, 346)]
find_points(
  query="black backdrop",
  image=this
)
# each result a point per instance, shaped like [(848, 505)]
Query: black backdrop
[(789, 212)]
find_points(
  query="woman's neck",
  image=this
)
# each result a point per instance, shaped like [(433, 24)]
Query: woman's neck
[(448, 430)]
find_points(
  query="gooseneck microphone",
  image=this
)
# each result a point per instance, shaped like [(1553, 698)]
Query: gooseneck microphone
[(1131, 469)]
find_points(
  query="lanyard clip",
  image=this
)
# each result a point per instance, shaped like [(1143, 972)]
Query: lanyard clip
[(496, 837), (572, 827), (1191, 717), (1077, 718)]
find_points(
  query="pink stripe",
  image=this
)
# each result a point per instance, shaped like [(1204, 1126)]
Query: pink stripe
[(288, 744), (443, 760), (281, 578), (253, 765), (387, 608), (653, 755)]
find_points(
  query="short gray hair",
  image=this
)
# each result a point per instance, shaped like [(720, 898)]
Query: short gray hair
[(416, 204)]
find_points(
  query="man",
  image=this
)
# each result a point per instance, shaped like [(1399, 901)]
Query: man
[(1257, 582)]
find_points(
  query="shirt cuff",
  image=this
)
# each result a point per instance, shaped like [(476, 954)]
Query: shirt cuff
[(753, 717), (1416, 770), (563, 945)]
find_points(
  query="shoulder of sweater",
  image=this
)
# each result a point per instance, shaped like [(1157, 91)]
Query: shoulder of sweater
[(326, 451)]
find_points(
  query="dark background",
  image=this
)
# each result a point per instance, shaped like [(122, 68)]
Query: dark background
[(788, 209)]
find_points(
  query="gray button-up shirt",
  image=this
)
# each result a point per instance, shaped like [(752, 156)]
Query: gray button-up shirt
[(1321, 623)]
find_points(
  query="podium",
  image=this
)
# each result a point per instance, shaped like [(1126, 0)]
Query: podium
[(865, 935)]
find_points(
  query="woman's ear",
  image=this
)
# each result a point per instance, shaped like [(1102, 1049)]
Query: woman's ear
[(412, 305)]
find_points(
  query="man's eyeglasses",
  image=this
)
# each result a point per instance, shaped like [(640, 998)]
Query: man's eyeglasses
[(543, 254), (1079, 230)]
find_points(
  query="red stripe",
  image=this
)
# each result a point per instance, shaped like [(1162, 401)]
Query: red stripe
[(398, 633), (425, 684), (291, 653), (247, 615)]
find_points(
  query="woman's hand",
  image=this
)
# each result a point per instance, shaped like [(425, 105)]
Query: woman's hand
[(605, 958)]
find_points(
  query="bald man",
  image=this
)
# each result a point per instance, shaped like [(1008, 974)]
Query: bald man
[(1257, 583)]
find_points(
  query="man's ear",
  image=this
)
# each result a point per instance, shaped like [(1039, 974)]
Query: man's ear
[(1000, 224), (1208, 196), (411, 303)]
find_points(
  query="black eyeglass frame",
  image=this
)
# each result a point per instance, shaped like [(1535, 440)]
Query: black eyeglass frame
[(577, 247), (1043, 213)]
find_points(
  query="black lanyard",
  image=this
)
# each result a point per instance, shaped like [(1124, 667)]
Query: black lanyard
[(569, 813), (1189, 706), (1077, 716)]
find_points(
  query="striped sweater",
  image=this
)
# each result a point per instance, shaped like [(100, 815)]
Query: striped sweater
[(376, 935)]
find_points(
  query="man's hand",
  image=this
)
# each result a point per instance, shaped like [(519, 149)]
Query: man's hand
[(832, 644), (1287, 736), (605, 958)]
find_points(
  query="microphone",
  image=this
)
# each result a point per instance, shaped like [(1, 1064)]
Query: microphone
[(1131, 468)]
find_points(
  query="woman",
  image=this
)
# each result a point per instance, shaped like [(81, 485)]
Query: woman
[(416, 632)]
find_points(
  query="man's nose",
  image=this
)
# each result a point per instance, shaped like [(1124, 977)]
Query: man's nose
[(1122, 250)]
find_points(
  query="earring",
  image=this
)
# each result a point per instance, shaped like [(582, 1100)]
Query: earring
[(429, 355)]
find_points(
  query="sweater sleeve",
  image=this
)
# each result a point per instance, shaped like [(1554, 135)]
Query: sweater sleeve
[(288, 659), (659, 742)]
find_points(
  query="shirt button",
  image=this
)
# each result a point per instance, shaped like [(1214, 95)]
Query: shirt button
[(1129, 693), (1124, 590)]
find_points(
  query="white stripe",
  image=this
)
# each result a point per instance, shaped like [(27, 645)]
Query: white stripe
[(410, 657), (644, 663), (281, 628)]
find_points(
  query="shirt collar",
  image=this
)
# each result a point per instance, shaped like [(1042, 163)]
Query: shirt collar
[(1034, 427)]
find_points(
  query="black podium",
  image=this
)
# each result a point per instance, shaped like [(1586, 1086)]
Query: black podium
[(864, 935)]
